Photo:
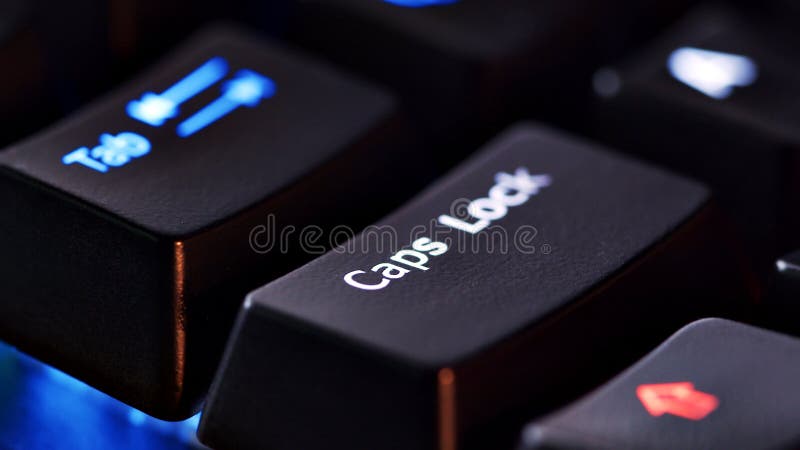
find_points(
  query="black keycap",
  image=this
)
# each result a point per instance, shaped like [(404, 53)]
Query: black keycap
[(714, 384), (133, 229), (19, 88), (553, 275), (716, 98), (467, 67), (144, 29), (52, 58), (785, 9)]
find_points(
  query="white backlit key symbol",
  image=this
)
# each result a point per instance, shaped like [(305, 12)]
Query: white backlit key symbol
[(715, 74)]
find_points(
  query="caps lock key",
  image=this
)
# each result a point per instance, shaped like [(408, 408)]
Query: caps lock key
[(532, 271)]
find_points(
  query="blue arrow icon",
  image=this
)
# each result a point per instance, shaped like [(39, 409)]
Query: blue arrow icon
[(155, 109), (247, 88)]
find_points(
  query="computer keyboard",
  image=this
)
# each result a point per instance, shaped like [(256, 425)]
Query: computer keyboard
[(443, 224)]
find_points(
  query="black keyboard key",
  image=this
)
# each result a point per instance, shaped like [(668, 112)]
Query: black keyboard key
[(468, 67), (16, 16), (35, 87), (784, 10), (716, 98), (140, 223), (20, 89), (714, 384), (58, 57), (411, 345), (144, 29), (77, 40)]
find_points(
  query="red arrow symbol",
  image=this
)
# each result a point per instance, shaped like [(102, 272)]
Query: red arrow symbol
[(678, 399)]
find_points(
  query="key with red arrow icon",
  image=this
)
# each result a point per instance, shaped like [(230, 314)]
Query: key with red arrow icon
[(678, 399), (714, 384)]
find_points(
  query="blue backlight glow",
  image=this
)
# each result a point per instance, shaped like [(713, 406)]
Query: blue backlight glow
[(420, 3), (247, 88), (113, 151), (155, 109), (44, 408)]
